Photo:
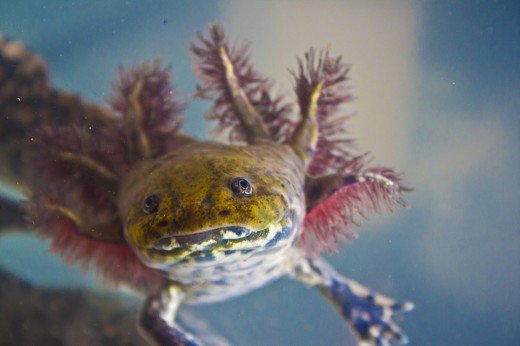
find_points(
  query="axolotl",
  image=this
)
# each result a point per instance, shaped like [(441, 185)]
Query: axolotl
[(186, 221)]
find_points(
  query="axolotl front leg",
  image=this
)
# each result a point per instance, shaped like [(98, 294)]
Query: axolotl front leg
[(368, 314), (157, 319)]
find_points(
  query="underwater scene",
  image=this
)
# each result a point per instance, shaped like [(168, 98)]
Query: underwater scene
[(259, 173)]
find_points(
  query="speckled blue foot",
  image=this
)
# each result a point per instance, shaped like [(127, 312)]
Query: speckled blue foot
[(368, 314), (157, 320)]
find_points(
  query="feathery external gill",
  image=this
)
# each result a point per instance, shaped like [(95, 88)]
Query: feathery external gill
[(243, 106), (322, 91)]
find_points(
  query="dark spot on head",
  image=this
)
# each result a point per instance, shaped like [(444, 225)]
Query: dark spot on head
[(224, 213), (178, 223), (208, 200), (162, 223)]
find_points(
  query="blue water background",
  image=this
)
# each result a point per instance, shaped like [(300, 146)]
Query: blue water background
[(455, 253)]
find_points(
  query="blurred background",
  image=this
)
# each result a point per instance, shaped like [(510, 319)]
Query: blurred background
[(438, 97)]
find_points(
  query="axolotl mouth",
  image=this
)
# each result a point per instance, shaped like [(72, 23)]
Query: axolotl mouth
[(202, 246)]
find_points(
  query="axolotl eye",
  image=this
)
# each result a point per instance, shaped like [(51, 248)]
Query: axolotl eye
[(241, 187), (151, 204)]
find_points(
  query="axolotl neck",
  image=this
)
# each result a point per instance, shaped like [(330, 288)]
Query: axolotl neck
[(219, 220)]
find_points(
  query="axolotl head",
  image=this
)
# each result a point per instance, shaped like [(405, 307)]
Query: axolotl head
[(207, 199)]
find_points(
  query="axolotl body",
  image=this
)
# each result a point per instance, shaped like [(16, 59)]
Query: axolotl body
[(219, 221), (187, 221)]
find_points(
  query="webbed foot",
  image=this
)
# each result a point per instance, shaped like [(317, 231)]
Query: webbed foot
[(369, 315)]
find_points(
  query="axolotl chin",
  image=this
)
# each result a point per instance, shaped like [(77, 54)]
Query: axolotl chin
[(186, 221)]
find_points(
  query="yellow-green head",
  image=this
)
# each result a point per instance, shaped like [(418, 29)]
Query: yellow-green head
[(207, 197)]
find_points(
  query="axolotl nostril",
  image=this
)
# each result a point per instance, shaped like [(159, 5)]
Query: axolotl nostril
[(182, 221)]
